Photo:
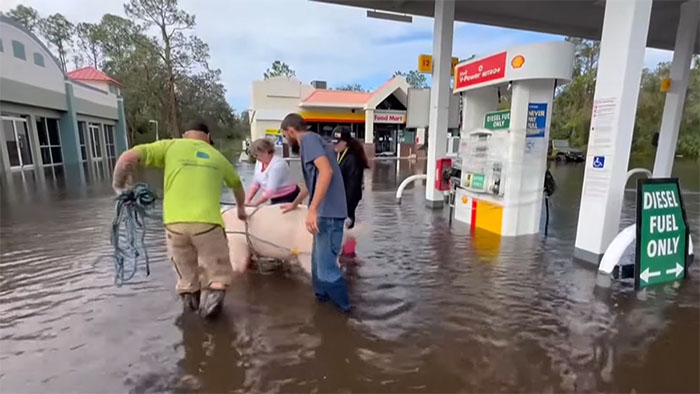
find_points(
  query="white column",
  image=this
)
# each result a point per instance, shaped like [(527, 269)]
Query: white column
[(369, 126), (624, 36), (439, 95), (680, 75)]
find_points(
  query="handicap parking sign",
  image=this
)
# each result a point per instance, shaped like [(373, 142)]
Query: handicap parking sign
[(598, 161)]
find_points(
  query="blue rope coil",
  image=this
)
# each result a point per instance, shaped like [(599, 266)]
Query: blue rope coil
[(132, 206)]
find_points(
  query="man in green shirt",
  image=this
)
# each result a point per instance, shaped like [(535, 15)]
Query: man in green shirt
[(194, 173)]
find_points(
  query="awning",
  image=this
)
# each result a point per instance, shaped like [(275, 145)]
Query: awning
[(578, 18)]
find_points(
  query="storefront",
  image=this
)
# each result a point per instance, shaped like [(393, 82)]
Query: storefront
[(377, 118), (53, 121), (388, 127)]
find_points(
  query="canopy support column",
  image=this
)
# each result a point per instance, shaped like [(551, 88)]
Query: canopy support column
[(680, 76), (439, 95), (624, 37)]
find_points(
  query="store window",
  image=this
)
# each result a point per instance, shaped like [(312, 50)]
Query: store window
[(38, 59), (109, 144), (18, 50), (95, 141), (49, 141), (82, 130)]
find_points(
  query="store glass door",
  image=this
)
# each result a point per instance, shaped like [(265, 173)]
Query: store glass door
[(385, 139), (19, 150), (96, 145)]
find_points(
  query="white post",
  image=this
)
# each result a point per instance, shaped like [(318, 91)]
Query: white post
[(439, 95), (369, 126), (680, 75), (624, 36)]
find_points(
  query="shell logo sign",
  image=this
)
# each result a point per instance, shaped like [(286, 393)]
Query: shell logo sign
[(517, 61)]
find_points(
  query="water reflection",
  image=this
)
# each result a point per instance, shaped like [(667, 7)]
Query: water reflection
[(438, 308)]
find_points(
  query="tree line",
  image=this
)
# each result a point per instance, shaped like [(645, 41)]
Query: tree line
[(573, 104), (153, 52)]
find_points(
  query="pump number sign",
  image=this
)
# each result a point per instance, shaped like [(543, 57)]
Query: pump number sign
[(662, 233)]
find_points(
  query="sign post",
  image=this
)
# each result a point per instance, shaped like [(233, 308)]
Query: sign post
[(662, 232)]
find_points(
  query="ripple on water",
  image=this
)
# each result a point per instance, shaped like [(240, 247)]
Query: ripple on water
[(437, 308)]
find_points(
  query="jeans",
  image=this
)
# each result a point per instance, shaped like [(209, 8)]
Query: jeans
[(327, 278)]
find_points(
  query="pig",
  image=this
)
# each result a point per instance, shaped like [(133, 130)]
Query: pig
[(282, 236)]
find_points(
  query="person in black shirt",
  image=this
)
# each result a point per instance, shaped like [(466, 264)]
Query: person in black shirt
[(352, 161)]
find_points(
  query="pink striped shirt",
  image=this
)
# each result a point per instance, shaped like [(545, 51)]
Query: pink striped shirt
[(276, 180)]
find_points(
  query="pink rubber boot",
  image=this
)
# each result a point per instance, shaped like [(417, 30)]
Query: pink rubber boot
[(349, 248)]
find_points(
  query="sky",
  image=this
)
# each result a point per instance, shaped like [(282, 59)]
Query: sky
[(319, 41)]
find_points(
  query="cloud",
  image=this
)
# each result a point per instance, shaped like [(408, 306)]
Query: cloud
[(320, 41)]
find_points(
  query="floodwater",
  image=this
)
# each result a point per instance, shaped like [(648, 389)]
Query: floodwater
[(436, 309)]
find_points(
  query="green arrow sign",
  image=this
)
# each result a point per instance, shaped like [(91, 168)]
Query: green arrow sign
[(497, 120), (662, 233)]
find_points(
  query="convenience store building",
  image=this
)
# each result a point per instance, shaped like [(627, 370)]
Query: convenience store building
[(378, 118)]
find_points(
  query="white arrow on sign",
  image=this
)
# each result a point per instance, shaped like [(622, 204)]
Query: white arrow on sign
[(646, 274), (678, 270)]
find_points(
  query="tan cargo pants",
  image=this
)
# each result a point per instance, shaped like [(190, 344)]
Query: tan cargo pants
[(192, 246)]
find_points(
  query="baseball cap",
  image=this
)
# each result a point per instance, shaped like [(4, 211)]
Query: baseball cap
[(341, 133)]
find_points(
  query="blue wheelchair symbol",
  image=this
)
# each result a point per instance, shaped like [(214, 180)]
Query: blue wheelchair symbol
[(598, 161)]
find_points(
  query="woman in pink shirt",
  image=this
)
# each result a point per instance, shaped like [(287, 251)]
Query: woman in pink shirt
[(272, 176)]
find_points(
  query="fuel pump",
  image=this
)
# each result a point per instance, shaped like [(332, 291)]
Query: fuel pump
[(503, 151)]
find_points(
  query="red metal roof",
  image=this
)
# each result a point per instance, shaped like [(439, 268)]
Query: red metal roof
[(322, 96), (92, 74), (342, 97), (385, 84)]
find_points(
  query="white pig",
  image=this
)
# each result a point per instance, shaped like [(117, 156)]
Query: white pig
[(274, 235)]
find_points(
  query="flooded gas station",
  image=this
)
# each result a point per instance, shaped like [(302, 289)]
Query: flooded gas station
[(438, 308), (483, 265)]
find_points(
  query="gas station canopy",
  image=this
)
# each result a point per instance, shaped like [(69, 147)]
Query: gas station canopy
[(578, 18)]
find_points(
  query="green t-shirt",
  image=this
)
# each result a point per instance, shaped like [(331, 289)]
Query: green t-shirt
[(194, 173)]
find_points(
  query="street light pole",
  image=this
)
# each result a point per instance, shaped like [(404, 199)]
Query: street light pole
[(156, 123)]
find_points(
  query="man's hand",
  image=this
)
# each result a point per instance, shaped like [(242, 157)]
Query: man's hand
[(288, 207), (312, 221), (118, 189), (124, 170), (242, 215)]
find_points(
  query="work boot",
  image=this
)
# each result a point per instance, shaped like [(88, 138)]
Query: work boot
[(212, 304), (190, 300)]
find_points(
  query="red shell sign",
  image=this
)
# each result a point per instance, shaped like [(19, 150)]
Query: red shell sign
[(484, 70)]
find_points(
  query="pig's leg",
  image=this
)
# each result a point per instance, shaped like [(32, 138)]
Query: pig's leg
[(239, 253)]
